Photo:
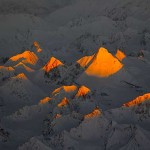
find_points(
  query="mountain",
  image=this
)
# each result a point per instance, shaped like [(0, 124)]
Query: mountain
[(103, 64), (51, 64), (96, 112), (74, 75), (27, 57), (93, 103), (82, 91), (67, 89), (85, 61), (6, 72), (20, 67), (115, 25), (18, 91), (138, 100)]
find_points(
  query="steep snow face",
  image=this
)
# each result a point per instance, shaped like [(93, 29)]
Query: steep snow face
[(51, 64), (27, 57), (120, 55), (85, 61), (82, 91), (103, 64), (96, 112), (63, 102)]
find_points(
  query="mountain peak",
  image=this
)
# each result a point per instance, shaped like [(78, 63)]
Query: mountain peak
[(103, 64), (120, 55), (138, 100), (101, 52), (27, 56), (21, 76), (52, 63), (63, 102), (45, 100), (20, 64), (68, 89), (96, 112), (83, 90)]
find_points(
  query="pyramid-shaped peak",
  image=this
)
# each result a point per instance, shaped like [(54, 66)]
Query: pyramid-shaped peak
[(101, 52), (67, 89), (83, 91), (21, 76), (103, 64), (96, 112), (63, 102), (138, 100), (27, 56), (20, 64), (51, 64), (120, 55)]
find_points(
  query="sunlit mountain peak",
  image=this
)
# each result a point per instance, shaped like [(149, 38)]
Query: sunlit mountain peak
[(138, 100), (51, 64), (27, 56), (103, 64), (83, 91)]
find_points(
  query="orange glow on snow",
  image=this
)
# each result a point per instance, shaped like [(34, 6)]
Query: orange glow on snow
[(96, 112), (24, 66), (37, 46), (21, 76), (104, 64), (82, 91), (27, 56), (84, 61), (138, 100), (7, 68), (64, 102), (52, 63), (120, 55), (45, 100), (67, 89)]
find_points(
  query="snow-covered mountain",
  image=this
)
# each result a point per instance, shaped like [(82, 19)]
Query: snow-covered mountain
[(93, 103), (74, 75), (74, 27)]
